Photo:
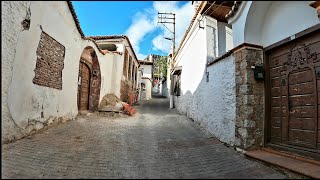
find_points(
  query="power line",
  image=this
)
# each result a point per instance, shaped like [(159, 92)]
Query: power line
[(148, 34)]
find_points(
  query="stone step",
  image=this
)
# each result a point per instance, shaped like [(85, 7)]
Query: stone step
[(300, 165)]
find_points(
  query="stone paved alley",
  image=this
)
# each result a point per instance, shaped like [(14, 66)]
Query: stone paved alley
[(156, 143)]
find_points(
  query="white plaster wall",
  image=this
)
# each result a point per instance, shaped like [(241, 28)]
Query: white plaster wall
[(219, 38), (108, 67), (286, 18), (147, 92), (238, 22), (117, 73), (147, 70), (26, 100), (212, 38), (165, 89), (13, 13), (193, 58), (229, 38), (139, 82), (213, 104), (225, 42), (268, 22)]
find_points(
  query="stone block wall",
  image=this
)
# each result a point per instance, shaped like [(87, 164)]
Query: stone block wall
[(49, 66), (249, 99)]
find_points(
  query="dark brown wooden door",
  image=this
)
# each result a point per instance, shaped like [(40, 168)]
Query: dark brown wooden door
[(84, 87), (294, 88)]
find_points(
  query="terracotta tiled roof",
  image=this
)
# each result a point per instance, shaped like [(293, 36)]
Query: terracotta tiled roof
[(115, 37)]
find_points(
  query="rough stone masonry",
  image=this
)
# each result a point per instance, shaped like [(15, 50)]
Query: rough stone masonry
[(249, 99)]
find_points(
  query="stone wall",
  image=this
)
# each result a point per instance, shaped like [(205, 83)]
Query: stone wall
[(50, 62), (249, 99)]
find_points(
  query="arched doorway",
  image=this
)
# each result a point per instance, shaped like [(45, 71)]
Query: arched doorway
[(89, 81)]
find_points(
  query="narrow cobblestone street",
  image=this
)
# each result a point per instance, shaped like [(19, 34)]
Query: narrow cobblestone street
[(156, 143)]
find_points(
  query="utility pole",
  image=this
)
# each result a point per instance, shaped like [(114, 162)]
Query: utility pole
[(163, 18)]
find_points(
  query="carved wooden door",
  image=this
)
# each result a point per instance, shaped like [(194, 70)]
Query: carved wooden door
[(294, 71), (84, 87)]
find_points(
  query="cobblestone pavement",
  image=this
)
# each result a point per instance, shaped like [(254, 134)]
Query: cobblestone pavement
[(156, 143)]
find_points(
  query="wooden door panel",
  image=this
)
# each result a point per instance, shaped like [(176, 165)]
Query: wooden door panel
[(278, 61), (294, 86), (304, 112), (275, 82), (300, 136), (275, 72), (301, 77), (303, 123), (85, 87), (275, 92), (302, 100), (303, 88), (276, 121)]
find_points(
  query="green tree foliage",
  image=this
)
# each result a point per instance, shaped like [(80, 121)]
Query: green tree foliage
[(160, 66)]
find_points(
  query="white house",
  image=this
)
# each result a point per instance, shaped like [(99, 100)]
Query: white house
[(205, 93), (124, 71), (146, 79), (248, 73), (50, 70)]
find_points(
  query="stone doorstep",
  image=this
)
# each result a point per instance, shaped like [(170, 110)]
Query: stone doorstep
[(300, 165), (292, 155)]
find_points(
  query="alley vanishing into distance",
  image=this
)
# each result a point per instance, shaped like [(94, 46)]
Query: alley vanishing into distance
[(155, 143)]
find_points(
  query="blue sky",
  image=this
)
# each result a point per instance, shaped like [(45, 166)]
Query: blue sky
[(137, 20)]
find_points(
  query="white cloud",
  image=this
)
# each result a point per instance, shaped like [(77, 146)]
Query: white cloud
[(183, 18), (145, 22)]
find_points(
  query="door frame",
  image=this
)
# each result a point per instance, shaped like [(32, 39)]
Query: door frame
[(310, 153)]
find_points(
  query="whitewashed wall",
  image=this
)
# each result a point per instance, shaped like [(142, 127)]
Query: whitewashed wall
[(165, 89), (12, 14), (193, 58), (146, 94), (26, 101), (117, 73), (268, 22), (211, 104), (147, 70)]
